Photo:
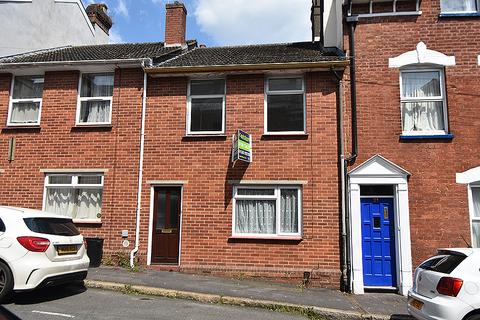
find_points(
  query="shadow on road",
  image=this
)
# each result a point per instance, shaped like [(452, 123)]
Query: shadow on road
[(7, 315), (46, 294)]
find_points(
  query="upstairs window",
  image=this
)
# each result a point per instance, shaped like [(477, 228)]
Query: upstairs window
[(26, 101), (206, 107), (423, 102), (475, 215), (460, 6), (77, 196), (285, 105), (95, 102)]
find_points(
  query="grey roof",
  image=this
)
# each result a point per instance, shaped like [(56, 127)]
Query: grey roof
[(96, 52), (254, 54)]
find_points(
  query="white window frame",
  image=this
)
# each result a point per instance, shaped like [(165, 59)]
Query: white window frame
[(284, 92), (477, 2), (471, 209), (414, 99), (189, 107), (74, 185), (277, 198), (82, 99), (12, 101)]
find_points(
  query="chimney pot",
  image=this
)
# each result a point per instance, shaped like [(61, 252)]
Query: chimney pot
[(175, 24)]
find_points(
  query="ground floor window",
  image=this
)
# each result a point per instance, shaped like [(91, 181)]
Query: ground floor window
[(78, 196), (267, 211), (475, 216)]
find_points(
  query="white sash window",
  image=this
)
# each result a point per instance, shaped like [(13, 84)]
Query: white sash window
[(95, 99), (26, 101)]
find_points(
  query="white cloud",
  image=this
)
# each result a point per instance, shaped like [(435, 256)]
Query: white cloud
[(115, 37), (259, 21), (122, 9)]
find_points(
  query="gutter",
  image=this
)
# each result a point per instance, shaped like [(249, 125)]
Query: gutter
[(246, 67), (135, 61), (140, 171)]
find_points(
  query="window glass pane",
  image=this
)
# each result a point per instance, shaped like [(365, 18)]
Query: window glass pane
[(422, 116), (90, 179), (94, 111), (376, 190), (207, 87), (25, 112), (60, 201), (97, 85), (2, 226), (255, 216), (27, 87), (161, 204), (476, 234), (443, 263), (289, 211), (476, 201), (206, 114), (174, 207), (54, 226), (255, 192), (285, 113), (285, 84), (458, 5), (89, 203), (60, 179), (421, 84)]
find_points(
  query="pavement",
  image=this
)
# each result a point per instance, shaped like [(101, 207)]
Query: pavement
[(316, 303)]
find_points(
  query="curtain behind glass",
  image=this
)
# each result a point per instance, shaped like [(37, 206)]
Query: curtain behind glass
[(60, 201), (289, 211), (476, 202), (95, 111), (89, 203), (458, 5), (422, 116), (97, 85), (25, 112), (255, 216), (421, 84), (27, 87)]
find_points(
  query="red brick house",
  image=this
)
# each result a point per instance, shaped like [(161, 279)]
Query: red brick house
[(134, 142), (416, 174)]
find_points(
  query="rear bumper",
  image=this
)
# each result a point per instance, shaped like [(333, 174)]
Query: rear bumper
[(438, 308), (31, 273)]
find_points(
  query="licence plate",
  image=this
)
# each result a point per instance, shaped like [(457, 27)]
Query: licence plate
[(416, 304), (67, 249)]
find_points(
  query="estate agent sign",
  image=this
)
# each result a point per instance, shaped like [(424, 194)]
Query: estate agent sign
[(242, 146)]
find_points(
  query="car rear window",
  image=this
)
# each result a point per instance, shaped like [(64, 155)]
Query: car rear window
[(444, 263), (2, 226), (53, 226)]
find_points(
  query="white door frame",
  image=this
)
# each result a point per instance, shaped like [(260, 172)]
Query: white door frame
[(380, 171), (153, 185)]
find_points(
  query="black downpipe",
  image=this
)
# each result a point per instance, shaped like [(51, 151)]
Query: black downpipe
[(352, 23)]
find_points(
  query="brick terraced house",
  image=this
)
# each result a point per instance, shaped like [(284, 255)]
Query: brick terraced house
[(414, 186), (134, 142)]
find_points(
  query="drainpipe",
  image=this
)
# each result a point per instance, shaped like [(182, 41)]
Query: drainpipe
[(342, 175), (352, 23), (140, 168)]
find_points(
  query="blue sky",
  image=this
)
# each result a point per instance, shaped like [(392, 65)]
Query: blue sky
[(213, 22)]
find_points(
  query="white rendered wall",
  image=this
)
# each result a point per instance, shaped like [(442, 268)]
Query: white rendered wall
[(38, 24), (332, 23)]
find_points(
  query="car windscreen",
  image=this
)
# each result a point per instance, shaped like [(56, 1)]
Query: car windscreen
[(53, 226), (444, 263)]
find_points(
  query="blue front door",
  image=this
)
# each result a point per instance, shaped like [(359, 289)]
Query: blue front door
[(378, 242)]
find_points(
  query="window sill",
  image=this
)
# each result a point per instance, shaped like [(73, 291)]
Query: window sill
[(200, 137), (87, 221), (447, 136), (106, 125), (459, 15), (284, 136), (22, 127), (92, 127), (279, 238)]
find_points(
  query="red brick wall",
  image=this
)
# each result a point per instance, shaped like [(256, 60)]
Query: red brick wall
[(205, 164), (58, 144), (438, 205)]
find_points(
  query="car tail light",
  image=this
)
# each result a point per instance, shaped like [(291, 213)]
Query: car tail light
[(449, 286), (34, 244)]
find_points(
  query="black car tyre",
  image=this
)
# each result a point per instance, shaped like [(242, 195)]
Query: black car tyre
[(6, 282), (474, 317)]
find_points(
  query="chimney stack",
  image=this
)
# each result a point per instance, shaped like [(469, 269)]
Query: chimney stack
[(317, 21), (97, 13), (175, 24)]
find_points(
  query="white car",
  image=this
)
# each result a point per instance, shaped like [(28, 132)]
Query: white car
[(447, 286), (38, 249)]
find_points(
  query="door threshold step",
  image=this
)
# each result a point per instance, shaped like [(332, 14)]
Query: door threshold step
[(164, 267)]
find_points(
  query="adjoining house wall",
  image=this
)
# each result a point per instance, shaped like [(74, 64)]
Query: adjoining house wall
[(59, 144), (204, 164), (39, 24), (438, 206)]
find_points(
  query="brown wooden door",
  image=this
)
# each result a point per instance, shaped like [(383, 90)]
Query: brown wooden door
[(166, 224)]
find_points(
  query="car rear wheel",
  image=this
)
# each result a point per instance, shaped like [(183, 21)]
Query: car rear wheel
[(6, 281), (474, 317)]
